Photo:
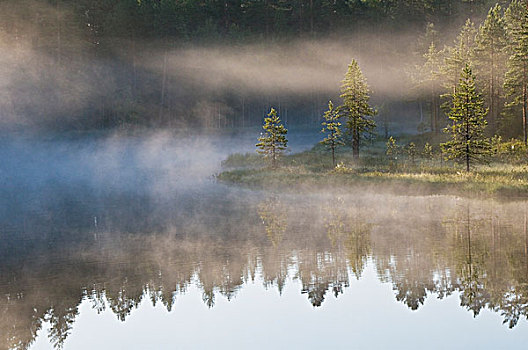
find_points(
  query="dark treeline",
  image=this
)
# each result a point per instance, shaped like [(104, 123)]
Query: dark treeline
[(100, 20), (107, 63)]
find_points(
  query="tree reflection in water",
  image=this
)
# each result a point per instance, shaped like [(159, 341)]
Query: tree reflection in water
[(423, 246)]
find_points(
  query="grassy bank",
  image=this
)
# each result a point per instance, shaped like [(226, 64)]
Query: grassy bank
[(374, 171)]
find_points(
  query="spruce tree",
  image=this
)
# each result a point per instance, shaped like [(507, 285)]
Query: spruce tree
[(467, 143), (516, 79), (356, 109), (490, 60), (273, 141), (331, 126)]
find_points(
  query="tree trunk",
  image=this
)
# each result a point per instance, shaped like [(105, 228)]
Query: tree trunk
[(134, 70), (467, 146), (524, 104), (433, 109), (467, 133), (301, 8), (59, 39), (311, 19), (163, 82), (492, 110), (355, 143), (273, 157)]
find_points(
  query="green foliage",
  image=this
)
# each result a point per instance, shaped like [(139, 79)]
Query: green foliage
[(393, 149), (273, 142), (467, 143), (341, 168), (239, 160), (490, 58), (411, 152), (513, 151), (427, 152), (495, 143), (356, 108), (310, 169), (430, 81), (456, 57), (331, 126), (516, 79)]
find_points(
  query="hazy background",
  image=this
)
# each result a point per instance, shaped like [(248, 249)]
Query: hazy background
[(97, 64)]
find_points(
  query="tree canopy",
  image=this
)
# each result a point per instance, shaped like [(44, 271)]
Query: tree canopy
[(356, 108)]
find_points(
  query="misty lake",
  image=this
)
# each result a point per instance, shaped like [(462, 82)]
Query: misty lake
[(129, 242)]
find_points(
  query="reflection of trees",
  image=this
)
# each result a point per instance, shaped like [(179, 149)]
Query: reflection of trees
[(319, 272), (271, 212), (61, 321), (421, 248), (358, 246), (474, 295)]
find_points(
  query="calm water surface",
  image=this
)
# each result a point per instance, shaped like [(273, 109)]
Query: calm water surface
[(129, 243)]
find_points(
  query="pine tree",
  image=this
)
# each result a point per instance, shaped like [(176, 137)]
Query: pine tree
[(424, 41), (356, 108), (331, 126), (491, 41), (516, 79), (273, 142), (467, 143), (411, 152), (392, 149), (430, 81), (427, 151), (457, 56)]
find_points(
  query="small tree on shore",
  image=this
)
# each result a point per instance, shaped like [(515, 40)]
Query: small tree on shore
[(331, 126), (273, 141), (392, 149), (411, 152), (356, 108), (467, 143), (427, 152)]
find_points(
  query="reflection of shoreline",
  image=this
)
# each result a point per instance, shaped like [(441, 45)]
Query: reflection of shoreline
[(420, 245)]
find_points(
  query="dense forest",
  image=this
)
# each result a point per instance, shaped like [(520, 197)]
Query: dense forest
[(96, 64)]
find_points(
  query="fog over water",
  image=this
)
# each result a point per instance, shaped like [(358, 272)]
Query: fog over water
[(102, 234), (115, 232)]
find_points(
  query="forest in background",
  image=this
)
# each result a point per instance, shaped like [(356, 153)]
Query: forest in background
[(78, 65)]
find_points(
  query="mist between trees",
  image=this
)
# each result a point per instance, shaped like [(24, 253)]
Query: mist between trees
[(100, 64)]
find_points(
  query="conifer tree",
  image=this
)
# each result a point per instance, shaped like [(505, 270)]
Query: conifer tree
[(427, 151), (490, 57), (392, 149), (356, 109), (331, 126), (430, 36), (457, 56), (467, 143), (516, 79), (430, 81), (425, 75), (273, 141), (411, 152)]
